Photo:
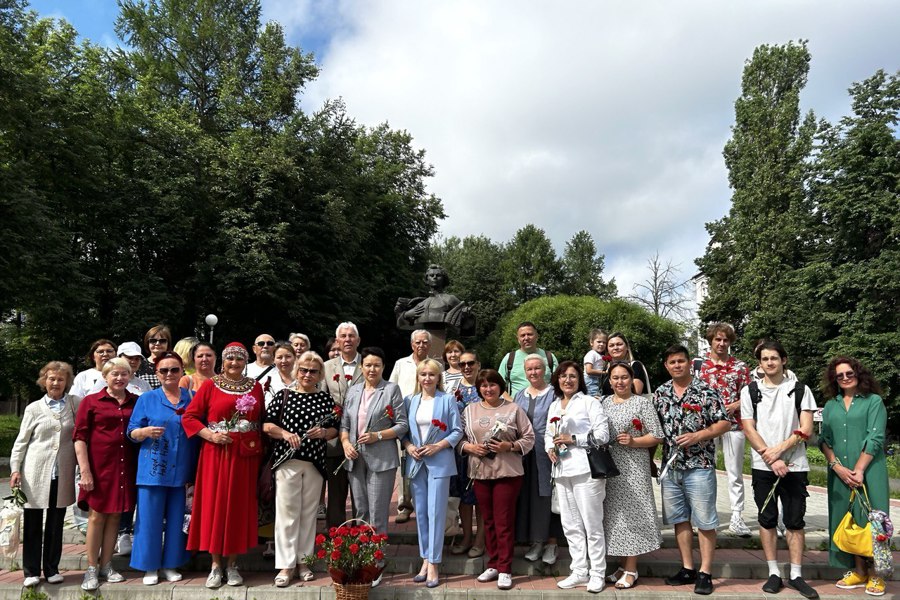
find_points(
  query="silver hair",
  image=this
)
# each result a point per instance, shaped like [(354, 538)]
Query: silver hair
[(346, 325), (412, 336), (302, 336)]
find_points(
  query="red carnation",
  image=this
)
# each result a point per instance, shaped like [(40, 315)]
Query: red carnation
[(321, 554), (336, 377), (320, 539), (338, 411), (363, 539), (335, 555), (354, 548), (458, 395), (338, 541), (435, 423), (607, 358), (554, 419), (637, 424), (443, 426), (343, 530), (881, 537), (267, 385), (179, 411), (348, 377), (332, 532), (379, 555), (389, 411), (354, 531)]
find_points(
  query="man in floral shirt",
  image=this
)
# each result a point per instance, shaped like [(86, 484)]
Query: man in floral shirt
[(692, 416), (728, 376)]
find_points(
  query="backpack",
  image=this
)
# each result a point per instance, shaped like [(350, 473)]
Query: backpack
[(511, 359), (756, 396)]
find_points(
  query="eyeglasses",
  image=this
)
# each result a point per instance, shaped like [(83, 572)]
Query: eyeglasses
[(152, 341), (467, 363), (167, 370), (261, 344), (569, 376), (848, 375), (305, 371), (106, 351)]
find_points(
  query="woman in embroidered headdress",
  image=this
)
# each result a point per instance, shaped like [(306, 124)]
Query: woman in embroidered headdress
[(225, 414)]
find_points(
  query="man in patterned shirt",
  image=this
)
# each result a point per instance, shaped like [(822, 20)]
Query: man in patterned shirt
[(728, 376), (692, 416)]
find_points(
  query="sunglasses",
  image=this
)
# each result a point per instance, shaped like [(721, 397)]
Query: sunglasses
[(152, 341), (305, 371), (848, 375), (261, 344), (167, 370), (467, 363)]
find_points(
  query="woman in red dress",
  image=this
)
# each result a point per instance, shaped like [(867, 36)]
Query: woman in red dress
[(108, 463), (225, 414)]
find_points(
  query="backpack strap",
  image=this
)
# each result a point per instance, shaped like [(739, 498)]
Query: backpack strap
[(696, 366), (755, 396), (549, 360), (799, 391), (510, 359)]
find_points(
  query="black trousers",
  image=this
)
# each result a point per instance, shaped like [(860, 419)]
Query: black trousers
[(52, 537)]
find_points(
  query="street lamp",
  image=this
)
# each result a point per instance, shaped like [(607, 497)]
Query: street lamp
[(211, 321)]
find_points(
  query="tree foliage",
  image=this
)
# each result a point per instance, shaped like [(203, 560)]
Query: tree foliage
[(178, 175), (565, 322), (664, 292), (582, 269)]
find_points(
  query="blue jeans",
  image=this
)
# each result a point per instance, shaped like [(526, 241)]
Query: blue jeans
[(690, 495)]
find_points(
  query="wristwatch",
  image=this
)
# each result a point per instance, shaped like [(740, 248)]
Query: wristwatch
[(574, 441), (380, 437)]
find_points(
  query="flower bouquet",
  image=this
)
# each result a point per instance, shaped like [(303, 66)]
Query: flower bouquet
[(437, 426), (387, 414), (492, 435), (354, 556)]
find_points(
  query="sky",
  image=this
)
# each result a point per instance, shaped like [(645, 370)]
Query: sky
[(584, 114)]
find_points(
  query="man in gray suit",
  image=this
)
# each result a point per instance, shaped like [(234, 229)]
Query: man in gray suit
[(340, 374)]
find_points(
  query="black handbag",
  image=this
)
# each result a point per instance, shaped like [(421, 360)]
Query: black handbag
[(600, 459)]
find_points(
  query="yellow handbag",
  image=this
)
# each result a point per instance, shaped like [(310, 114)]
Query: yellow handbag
[(850, 537)]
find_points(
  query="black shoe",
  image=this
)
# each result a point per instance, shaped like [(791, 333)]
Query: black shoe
[(801, 586), (704, 585), (773, 584), (682, 577)]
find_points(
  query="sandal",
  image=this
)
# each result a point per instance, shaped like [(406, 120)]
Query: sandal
[(458, 549), (616, 575), (875, 586), (283, 578), (304, 574), (622, 584)]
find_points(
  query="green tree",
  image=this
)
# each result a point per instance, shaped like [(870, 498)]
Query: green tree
[(565, 322), (531, 266), (582, 269), (857, 193), (770, 230)]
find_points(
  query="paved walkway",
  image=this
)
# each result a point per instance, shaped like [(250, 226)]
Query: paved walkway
[(739, 569)]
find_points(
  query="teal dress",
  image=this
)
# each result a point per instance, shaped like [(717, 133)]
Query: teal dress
[(849, 433)]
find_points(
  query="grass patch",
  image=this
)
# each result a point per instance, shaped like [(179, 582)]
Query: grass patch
[(9, 429)]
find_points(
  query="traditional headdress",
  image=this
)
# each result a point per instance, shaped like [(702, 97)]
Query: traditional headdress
[(235, 349)]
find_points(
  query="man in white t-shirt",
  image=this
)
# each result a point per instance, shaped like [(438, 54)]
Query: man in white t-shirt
[(777, 425), (264, 350)]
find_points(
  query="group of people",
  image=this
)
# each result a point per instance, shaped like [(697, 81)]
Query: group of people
[(499, 456)]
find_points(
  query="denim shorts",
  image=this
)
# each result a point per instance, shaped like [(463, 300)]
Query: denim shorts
[(690, 496)]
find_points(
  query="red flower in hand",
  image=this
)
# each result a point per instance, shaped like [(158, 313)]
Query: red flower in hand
[(349, 378), (607, 358), (636, 423), (379, 555), (554, 419), (435, 423), (337, 410), (267, 384), (336, 377), (389, 411), (458, 395), (443, 426)]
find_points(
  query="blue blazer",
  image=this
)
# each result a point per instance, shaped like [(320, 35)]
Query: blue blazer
[(442, 464), (171, 460)]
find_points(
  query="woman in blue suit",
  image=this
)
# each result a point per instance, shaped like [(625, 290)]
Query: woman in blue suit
[(434, 430)]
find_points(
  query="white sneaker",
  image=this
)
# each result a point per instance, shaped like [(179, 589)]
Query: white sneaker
[(90, 582), (504, 581), (234, 577), (171, 575), (215, 578), (738, 527), (595, 585), (57, 578), (31, 581), (488, 575), (534, 552), (110, 574), (123, 544), (151, 578), (573, 581), (551, 551)]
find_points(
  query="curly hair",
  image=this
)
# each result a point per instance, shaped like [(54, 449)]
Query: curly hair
[(865, 381)]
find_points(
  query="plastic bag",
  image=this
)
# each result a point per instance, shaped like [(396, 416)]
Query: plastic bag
[(882, 530), (10, 523)]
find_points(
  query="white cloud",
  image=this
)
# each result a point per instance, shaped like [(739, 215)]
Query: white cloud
[(605, 116)]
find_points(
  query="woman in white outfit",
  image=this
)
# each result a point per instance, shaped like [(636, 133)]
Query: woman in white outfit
[(580, 496)]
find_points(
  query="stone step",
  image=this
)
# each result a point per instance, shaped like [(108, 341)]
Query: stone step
[(397, 587), (404, 559)]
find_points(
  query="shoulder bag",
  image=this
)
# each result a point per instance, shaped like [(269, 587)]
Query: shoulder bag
[(600, 459), (850, 537)]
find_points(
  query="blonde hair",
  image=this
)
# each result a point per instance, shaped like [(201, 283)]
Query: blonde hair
[(424, 364), (116, 363), (310, 356), (56, 365), (184, 348)]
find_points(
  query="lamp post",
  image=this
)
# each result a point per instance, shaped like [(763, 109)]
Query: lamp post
[(211, 320)]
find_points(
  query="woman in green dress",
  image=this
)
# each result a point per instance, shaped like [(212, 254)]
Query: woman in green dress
[(853, 432)]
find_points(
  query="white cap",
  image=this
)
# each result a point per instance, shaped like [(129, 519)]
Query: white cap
[(129, 349)]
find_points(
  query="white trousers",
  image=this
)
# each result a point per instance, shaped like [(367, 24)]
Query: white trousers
[(297, 487), (581, 511), (732, 446)]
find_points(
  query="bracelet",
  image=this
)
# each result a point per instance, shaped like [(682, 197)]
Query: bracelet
[(836, 461), (802, 435)]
